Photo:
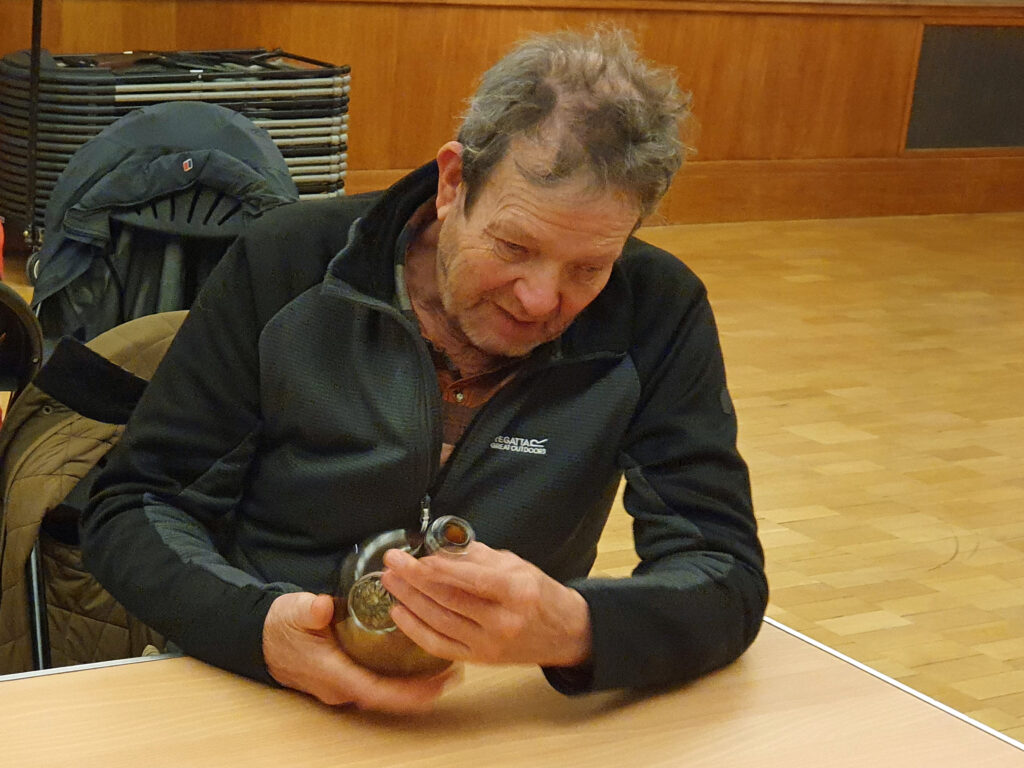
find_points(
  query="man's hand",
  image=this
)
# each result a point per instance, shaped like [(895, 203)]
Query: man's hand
[(487, 606), (301, 652)]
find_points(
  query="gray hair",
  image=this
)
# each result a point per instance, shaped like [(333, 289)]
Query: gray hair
[(591, 102)]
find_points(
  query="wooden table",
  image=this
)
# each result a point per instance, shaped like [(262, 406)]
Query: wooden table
[(787, 702)]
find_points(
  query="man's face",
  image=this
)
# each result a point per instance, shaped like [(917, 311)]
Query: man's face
[(516, 270)]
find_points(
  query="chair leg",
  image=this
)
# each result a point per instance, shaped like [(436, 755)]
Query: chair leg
[(40, 631)]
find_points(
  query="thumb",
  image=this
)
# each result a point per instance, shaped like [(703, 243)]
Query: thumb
[(321, 611), (313, 612)]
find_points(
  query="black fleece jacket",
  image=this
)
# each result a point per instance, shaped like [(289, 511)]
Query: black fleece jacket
[(297, 412)]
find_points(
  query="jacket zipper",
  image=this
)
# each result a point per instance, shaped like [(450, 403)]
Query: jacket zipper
[(431, 411), (424, 513), (431, 407)]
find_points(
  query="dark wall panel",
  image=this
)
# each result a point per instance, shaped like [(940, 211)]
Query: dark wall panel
[(969, 90)]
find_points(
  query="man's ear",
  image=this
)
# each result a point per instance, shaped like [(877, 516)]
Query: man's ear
[(449, 181)]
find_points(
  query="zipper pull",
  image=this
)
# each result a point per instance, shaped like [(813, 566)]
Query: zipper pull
[(424, 514)]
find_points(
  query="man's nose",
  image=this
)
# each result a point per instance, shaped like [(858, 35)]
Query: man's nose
[(538, 292)]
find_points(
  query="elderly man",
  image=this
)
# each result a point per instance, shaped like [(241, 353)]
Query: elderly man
[(485, 339)]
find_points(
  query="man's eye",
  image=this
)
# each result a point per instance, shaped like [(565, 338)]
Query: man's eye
[(511, 248), (588, 272)]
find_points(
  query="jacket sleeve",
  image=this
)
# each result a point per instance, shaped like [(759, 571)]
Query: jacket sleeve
[(696, 600), (150, 532)]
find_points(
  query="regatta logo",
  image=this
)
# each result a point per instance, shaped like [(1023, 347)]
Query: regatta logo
[(519, 445)]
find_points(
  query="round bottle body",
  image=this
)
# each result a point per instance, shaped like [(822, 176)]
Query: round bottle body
[(362, 607), (366, 633)]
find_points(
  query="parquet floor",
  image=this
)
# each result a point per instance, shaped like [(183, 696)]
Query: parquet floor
[(877, 367)]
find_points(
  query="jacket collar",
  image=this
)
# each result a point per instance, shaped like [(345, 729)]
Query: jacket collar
[(366, 261)]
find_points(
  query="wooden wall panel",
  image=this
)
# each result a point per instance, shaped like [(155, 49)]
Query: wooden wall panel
[(775, 85), (765, 86), (758, 190), (411, 68), (94, 26), (16, 24), (786, 86), (825, 189)]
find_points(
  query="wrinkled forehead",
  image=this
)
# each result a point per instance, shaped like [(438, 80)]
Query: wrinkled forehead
[(515, 203), (538, 160)]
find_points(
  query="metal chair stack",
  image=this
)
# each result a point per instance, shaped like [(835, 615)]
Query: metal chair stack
[(301, 102)]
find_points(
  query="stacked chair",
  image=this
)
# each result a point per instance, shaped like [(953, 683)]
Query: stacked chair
[(302, 103), (138, 170), (145, 209)]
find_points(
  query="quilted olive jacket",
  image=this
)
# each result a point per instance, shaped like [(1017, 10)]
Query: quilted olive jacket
[(46, 447)]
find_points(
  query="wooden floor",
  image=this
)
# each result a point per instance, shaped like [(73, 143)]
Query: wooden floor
[(877, 367)]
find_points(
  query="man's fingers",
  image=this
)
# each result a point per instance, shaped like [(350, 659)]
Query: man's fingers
[(444, 632), (340, 681), (346, 682), (428, 637), (301, 652), (447, 609), (479, 572), (406, 695)]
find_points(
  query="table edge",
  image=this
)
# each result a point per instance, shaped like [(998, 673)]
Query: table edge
[(84, 667), (895, 683)]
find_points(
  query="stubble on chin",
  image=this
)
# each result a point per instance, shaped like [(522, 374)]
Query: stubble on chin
[(492, 342)]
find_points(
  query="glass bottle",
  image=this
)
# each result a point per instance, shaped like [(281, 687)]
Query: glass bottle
[(362, 607)]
